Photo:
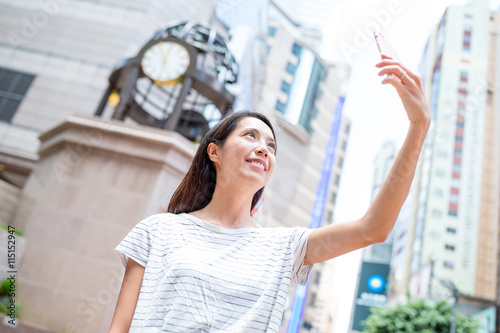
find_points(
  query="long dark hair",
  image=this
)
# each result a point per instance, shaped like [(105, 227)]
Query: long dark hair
[(197, 187)]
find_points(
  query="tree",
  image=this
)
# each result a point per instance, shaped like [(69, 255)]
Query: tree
[(417, 316)]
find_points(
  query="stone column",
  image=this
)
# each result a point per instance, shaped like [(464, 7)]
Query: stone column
[(94, 181)]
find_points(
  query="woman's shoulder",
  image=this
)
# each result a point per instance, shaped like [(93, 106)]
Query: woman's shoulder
[(162, 219)]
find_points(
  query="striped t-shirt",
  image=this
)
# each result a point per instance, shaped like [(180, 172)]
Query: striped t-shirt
[(200, 277)]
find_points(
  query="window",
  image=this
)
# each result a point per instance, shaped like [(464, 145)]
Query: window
[(451, 230), (333, 198), (337, 180), (286, 87), (467, 38), (307, 325), (317, 277), (280, 106), (272, 31), (313, 300), (449, 247), (296, 49), (448, 264), (291, 68), (341, 162), (347, 128), (13, 88), (344, 145), (453, 209), (329, 217)]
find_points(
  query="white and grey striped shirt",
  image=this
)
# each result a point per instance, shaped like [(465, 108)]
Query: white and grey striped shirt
[(201, 277)]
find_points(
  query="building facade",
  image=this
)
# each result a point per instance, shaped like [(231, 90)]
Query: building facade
[(452, 228), (371, 287)]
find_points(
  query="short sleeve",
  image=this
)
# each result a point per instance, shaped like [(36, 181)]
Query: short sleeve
[(301, 272), (137, 244)]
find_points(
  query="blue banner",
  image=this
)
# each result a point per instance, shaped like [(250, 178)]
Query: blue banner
[(299, 296)]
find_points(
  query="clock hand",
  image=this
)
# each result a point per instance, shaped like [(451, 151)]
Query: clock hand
[(165, 55)]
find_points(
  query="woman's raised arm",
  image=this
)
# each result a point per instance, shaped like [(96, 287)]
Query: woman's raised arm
[(374, 227)]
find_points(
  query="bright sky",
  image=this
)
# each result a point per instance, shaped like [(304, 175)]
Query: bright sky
[(374, 109)]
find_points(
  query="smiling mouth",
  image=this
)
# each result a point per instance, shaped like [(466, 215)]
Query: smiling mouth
[(258, 164)]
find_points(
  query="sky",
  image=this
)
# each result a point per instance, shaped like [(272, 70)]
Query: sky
[(375, 110)]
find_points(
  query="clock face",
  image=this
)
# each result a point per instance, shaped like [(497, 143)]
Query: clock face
[(165, 62)]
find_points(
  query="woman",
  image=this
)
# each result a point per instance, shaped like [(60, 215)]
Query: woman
[(207, 266)]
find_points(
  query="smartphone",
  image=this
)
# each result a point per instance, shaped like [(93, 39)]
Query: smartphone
[(384, 46)]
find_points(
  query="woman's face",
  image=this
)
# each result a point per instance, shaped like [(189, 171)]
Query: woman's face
[(248, 155)]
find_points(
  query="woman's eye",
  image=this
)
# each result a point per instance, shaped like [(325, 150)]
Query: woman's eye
[(272, 145), (251, 134)]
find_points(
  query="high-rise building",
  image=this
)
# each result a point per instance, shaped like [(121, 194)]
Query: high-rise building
[(375, 259), (456, 233)]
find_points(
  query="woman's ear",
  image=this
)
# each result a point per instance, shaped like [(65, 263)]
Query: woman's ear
[(213, 152)]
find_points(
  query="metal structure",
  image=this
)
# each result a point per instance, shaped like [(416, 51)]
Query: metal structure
[(190, 103)]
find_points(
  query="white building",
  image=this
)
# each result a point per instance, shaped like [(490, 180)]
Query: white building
[(450, 217)]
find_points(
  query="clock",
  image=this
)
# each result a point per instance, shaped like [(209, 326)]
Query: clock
[(165, 62)]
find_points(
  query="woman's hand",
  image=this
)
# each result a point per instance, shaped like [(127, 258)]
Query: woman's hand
[(410, 89)]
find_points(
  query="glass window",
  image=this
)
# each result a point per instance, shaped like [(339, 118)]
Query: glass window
[(13, 88), (337, 180), (272, 31), (286, 87), (291, 68), (280, 106), (317, 278), (344, 145), (333, 198), (448, 264), (329, 217), (341, 162), (313, 300), (449, 247), (347, 128), (451, 230), (296, 48)]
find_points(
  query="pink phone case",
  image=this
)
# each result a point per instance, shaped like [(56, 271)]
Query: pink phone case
[(384, 46)]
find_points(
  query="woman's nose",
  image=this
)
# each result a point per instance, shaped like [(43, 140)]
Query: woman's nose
[(262, 151)]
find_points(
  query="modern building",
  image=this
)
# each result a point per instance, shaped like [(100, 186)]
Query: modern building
[(452, 221), (56, 58), (371, 287)]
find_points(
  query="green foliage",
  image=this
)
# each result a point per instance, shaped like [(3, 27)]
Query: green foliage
[(417, 316), (5, 287)]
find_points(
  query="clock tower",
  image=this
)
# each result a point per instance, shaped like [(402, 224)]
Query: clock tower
[(177, 81)]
